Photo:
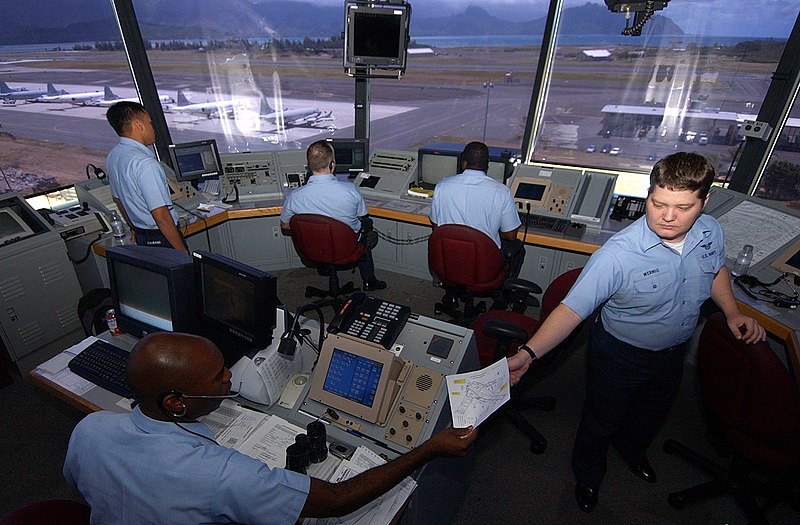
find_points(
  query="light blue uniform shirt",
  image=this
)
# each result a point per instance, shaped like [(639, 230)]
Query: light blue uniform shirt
[(651, 295), (138, 180), (135, 470), (324, 195), (474, 199)]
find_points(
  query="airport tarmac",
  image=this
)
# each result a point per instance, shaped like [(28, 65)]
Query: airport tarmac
[(405, 114)]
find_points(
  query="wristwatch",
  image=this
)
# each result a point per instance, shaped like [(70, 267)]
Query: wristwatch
[(529, 350)]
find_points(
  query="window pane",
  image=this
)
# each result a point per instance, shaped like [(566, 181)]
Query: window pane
[(48, 139), (781, 179), (622, 102), (459, 89)]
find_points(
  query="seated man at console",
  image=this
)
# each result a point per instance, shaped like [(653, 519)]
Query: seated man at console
[(138, 182), (159, 464), (473, 199), (324, 195)]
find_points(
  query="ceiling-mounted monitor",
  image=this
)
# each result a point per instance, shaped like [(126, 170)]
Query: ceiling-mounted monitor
[(376, 36)]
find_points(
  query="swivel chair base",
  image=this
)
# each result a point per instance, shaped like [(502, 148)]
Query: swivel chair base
[(511, 411), (733, 481), (331, 296), (463, 317)]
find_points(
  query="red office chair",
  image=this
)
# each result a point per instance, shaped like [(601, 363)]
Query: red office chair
[(468, 263), (498, 333), (327, 245), (49, 512), (754, 404)]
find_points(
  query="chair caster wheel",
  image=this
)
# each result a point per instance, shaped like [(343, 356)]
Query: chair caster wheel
[(676, 501)]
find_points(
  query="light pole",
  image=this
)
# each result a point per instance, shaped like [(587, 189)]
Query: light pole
[(488, 87)]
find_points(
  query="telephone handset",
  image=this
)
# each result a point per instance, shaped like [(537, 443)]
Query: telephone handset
[(371, 319)]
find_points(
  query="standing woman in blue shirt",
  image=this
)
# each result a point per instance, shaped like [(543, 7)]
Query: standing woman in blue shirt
[(650, 279), (138, 182)]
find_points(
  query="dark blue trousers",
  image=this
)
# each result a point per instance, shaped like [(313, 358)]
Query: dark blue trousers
[(155, 238), (629, 394)]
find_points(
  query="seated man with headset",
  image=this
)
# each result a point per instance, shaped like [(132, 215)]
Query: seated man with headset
[(159, 464)]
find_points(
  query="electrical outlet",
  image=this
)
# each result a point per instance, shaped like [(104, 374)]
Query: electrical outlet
[(276, 232), (542, 262), (755, 129)]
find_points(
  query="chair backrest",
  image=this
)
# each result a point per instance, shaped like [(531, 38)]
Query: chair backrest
[(557, 290), (49, 512), (464, 257), (487, 345), (751, 393), (323, 240)]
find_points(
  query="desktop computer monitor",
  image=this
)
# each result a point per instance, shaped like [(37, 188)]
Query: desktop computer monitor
[(434, 166), (152, 289), (195, 160), (351, 154), (235, 299)]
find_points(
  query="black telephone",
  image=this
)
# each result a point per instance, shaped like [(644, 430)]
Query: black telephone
[(371, 319), (627, 208)]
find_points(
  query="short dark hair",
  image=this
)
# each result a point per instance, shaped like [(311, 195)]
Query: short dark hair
[(319, 155), (683, 171), (476, 156), (121, 114)]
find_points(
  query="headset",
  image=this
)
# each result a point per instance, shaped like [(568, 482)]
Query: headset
[(177, 393), (761, 291)]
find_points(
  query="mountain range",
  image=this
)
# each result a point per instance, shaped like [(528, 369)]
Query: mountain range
[(36, 21)]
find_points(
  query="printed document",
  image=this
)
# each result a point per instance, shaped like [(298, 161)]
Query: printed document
[(474, 396)]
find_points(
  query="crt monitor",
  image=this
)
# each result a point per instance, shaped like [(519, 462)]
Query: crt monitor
[(12, 227), (152, 289), (350, 154), (433, 167), (376, 36), (235, 299), (195, 160)]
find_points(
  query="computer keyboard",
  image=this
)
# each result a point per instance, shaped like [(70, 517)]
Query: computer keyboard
[(552, 225), (544, 223), (104, 365)]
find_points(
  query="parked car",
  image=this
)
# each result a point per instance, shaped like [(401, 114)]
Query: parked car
[(606, 148), (615, 151), (591, 148), (702, 140)]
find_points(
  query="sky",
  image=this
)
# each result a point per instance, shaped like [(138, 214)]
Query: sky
[(711, 17)]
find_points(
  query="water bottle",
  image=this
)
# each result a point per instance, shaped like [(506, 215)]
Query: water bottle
[(117, 227), (743, 260)]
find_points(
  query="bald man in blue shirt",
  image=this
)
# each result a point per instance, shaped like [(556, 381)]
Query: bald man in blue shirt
[(650, 280)]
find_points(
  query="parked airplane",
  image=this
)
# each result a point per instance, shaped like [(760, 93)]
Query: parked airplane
[(294, 117), (10, 96), (210, 109), (110, 98), (72, 98)]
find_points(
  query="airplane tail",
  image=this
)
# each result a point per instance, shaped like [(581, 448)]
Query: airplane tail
[(182, 100), (4, 87), (108, 94), (51, 90), (266, 108)]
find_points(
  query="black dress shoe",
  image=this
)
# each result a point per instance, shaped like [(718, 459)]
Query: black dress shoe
[(374, 284), (586, 497), (644, 471)]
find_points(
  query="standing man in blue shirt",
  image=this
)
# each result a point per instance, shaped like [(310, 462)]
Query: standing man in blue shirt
[(159, 464), (138, 182), (650, 279), (473, 199), (324, 195)]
